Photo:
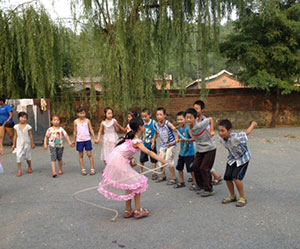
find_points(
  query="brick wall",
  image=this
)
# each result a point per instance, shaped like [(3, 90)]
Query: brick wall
[(238, 105)]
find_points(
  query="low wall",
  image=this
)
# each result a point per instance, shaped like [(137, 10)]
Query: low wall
[(238, 105)]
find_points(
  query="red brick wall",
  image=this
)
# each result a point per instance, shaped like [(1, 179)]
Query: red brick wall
[(238, 105)]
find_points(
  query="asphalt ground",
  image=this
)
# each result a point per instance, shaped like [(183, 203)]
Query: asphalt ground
[(38, 211)]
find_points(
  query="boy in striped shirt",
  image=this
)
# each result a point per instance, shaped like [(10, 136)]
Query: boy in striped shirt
[(237, 161)]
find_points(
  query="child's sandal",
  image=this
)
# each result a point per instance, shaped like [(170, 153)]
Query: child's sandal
[(179, 185), (92, 172), (229, 200), (161, 179), (154, 177), (241, 202), (128, 214), (54, 174), (143, 212), (172, 182), (83, 172), (217, 180)]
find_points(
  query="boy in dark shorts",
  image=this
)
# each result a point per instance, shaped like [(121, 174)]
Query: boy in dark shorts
[(148, 139), (238, 159), (187, 150)]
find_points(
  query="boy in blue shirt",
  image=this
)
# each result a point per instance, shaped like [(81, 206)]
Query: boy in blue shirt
[(237, 160), (149, 142), (187, 150)]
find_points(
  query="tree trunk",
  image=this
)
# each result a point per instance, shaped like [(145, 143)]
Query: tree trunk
[(276, 108)]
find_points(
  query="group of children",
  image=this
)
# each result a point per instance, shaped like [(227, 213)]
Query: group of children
[(120, 181)]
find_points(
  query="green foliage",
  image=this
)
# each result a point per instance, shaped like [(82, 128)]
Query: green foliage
[(267, 45), (35, 55), (132, 42)]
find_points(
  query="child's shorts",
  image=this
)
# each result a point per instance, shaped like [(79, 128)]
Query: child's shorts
[(87, 145), (56, 153), (168, 154), (26, 153), (145, 158), (234, 172), (187, 160)]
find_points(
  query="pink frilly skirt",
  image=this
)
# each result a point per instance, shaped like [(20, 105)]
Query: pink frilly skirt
[(120, 181)]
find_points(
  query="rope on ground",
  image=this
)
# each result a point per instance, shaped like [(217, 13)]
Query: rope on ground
[(95, 187)]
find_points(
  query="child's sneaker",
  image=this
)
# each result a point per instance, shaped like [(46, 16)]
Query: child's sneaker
[(29, 171), (19, 173), (200, 191), (208, 193)]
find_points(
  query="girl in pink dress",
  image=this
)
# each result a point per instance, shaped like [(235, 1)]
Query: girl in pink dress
[(110, 137), (120, 181)]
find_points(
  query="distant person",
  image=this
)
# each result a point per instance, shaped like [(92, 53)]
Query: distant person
[(108, 127), (23, 142), (6, 119), (237, 161), (82, 136), (54, 142)]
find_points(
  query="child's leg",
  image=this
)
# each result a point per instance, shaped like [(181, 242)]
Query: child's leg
[(194, 178), (53, 166), (181, 177), (90, 156), (137, 201), (19, 166), (81, 160), (29, 164), (230, 187), (162, 154), (128, 206), (229, 180), (60, 164), (215, 174), (170, 154), (238, 175), (205, 167), (240, 186)]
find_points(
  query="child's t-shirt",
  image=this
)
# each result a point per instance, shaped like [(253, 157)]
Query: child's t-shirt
[(149, 134), (186, 148), (237, 148), (166, 134), (204, 141), (23, 139), (56, 136), (4, 114)]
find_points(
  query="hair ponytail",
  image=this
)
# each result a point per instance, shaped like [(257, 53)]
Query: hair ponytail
[(134, 125)]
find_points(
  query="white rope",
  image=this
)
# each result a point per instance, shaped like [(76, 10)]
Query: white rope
[(95, 187)]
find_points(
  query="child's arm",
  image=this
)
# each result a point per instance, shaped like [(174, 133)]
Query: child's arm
[(150, 153), (74, 132), (14, 140), (99, 133), (31, 139), (153, 140), (1, 140), (91, 130), (171, 126), (46, 142), (120, 128), (190, 139), (211, 130), (251, 127), (69, 141)]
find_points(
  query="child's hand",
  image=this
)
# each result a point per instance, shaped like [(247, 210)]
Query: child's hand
[(45, 147), (73, 143), (253, 123), (133, 162), (32, 146), (13, 147), (164, 162), (97, 141), (152, 146), (1, 151), (212, 133)]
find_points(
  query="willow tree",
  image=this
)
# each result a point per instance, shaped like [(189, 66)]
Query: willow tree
[(35, 55)]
